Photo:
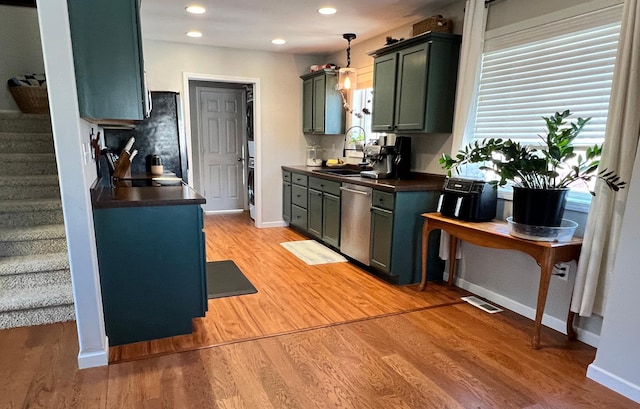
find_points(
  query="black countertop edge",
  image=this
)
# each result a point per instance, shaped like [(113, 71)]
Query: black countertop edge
[(418, 182), (104, 195)]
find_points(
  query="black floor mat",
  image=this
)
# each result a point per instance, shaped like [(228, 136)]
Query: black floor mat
[(224, 279)]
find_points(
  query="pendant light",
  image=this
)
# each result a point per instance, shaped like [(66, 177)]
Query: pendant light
[(347, 75)]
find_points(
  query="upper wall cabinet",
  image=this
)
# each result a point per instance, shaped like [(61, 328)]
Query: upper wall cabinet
[(107, 54), (414, 84), (322, 111)]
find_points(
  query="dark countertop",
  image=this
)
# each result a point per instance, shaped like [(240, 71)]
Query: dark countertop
[(418, 182), (143, 192)]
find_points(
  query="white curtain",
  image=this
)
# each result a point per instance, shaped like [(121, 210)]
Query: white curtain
[(475, 22), (602, 231)]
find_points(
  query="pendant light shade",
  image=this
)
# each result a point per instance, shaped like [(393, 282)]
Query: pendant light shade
[(347, 76)]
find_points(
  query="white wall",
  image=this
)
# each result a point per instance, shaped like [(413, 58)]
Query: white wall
[(281, 141), (20, 51), (618, 358), (76, 173)]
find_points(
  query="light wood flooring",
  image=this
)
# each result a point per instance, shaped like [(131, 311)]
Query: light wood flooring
[(370, 345)]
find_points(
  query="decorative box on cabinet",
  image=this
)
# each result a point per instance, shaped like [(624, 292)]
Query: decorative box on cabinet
[(108, 60), (414, 84), (322, 111)]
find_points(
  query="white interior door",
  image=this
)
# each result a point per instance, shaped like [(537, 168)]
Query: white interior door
[(221, 156)]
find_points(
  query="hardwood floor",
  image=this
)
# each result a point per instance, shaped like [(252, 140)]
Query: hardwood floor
[(292, 295), (439, 354)]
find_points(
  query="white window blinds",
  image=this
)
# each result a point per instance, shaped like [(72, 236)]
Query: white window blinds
[(547, 68)]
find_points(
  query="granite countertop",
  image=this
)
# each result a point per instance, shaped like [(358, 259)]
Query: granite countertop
[(418, 181), (106, 193)]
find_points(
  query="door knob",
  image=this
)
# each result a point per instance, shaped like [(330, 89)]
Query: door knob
[(240, 159)]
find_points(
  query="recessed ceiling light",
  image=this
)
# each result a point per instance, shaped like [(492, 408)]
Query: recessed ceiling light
[(195, 9), (327, 10), (194, 34), (278, 41)]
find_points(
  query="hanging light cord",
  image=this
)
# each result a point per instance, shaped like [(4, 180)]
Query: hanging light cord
[(349, 37)]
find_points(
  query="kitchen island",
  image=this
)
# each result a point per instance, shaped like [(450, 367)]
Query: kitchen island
[(312, 205), (151, 257)]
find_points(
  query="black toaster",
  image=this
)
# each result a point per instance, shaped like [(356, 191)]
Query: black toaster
[(468, 199)]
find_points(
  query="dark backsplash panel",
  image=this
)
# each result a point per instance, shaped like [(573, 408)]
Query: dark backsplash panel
[(160, 134)]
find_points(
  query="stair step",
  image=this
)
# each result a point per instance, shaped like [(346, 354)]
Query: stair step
[(33, 264), (29, 187), (39, 316), (28, 298), (28, 123), (34, 271), (36, 306), (35, 280), (25, 241), (17, 143), (23, 213), (32, 164)]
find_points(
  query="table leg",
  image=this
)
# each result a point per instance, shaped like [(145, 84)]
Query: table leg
[(546, 268), (571, 333), (453, 249), (425, 248)]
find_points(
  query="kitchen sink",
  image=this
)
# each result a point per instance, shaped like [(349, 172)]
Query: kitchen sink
[(340, 172)]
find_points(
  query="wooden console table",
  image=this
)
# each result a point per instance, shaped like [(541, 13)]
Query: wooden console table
[(495, 234)]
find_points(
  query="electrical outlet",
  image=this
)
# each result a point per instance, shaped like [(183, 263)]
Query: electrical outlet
[(561, 271)]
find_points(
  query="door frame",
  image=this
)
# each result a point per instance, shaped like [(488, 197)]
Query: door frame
[(257, 131)]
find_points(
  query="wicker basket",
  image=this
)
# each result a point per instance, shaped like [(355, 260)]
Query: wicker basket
[(31, 100), (433, 23)]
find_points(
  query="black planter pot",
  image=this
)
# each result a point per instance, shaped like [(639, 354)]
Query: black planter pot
[(539, 207)]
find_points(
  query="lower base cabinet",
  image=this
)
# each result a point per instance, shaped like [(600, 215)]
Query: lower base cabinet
[(396, 236), (312, 206), (331, 219), (152, 270)]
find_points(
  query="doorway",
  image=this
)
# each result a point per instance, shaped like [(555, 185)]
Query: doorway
[(219, 135)]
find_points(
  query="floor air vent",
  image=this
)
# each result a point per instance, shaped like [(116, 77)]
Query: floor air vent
[(483, 305)]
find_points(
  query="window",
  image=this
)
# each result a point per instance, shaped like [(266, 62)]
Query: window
[(360, 121), (546, 68)]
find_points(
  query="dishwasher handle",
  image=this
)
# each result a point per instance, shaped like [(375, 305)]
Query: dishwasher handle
[(346, 189)]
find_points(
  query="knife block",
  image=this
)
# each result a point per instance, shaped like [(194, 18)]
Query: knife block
[(122, 166)]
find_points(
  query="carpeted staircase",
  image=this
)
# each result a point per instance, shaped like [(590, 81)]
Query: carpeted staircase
[(35, 282)]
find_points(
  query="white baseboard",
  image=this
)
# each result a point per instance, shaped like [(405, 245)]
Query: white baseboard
[(614, 382), (234, 211), (92, 359), (557, 324), (281, 223)]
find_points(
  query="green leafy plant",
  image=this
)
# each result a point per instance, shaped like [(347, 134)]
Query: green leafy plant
[(549, 166)]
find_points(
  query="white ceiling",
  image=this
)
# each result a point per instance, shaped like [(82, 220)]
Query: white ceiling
[(252, 24)]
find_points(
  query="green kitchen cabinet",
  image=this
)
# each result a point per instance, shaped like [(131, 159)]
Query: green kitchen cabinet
[(286, 196), (314, 213), (322, 111), (324, 210), (152, 270), (331, 219), (384, 87), (414, 84), (107, 53), (382, 232), (299, 201), (396, 235)]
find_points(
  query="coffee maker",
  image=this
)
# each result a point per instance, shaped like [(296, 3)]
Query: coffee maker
[(380, 158), (402, 159), (389, 159)]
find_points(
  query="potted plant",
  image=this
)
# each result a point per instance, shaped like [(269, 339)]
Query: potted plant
[(541, 175)]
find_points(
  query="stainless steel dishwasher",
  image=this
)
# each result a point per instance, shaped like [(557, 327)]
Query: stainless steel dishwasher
[(355, 222)]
